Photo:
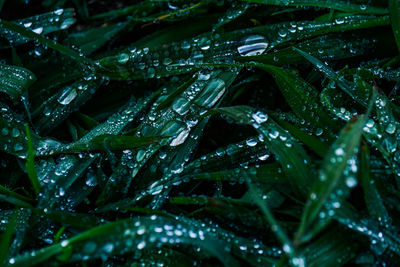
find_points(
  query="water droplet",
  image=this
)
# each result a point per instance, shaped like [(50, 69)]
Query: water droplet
[(64, 243), (254, 45), (15, 132), (351, 181), (141, 244), (4, 131), (339, 151), (391, 128), (123, 58), (273, 134), (59, 11), (38, 30), (282, 33), (18, 147), (67, 96), (66, 23), (211, 94), (180, 138), (251, 142), (287, 248), (108, 248), (260, 117)]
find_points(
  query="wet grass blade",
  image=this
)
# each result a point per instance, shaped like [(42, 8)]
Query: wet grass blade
[(372, 197), (59, 19), (394, 8), (15, 80), (302, 98), (292, 157), (331, 176), (106, 142), (30, 162), (5, 25), (6, 239), (343, 6), (141, 233)]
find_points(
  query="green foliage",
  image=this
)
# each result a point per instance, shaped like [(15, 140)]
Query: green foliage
[(200, 133)]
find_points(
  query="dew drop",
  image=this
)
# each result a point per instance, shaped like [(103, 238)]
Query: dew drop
[(15, 132), (339, 151), (254, 45), (67, 96), (59, 11), (18, 147), (351, 181), (391, 128), (38, 30), (260, 117), (141, 245), (66, 23), (123, 58)]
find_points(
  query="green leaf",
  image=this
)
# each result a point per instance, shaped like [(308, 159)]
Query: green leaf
[(138, 234), (56, 20), (339, 5), (30, 162), (337, 171), (6, 238), (106, 142), (289, 153), (394, 9), (31, 35), (372, 198), (15, 80), (301, 96)]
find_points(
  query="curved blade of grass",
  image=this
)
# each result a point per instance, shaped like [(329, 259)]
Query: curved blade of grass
[(301, 96), (67, 100), (105, 142), (6, 238), (372, 198), (8, 26), (331, 174), (198, 97), (30, 162), (269, 217), (14, 80), (289, 153), (59, 19), (394, 9), (12, 131), (339, 5), (329, 73), (382, 238), (72, 167), (93, 39), (329, 249), (140, 233), (316, 145), (188, 55)]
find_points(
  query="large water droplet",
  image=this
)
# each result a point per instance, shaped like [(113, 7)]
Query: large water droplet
[(38, 30), (59, 11), (67, 96), (123, 58), (66, 23), (260, 117), (254, 45)]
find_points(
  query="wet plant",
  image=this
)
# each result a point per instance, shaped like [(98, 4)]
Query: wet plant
[(200, 133)]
